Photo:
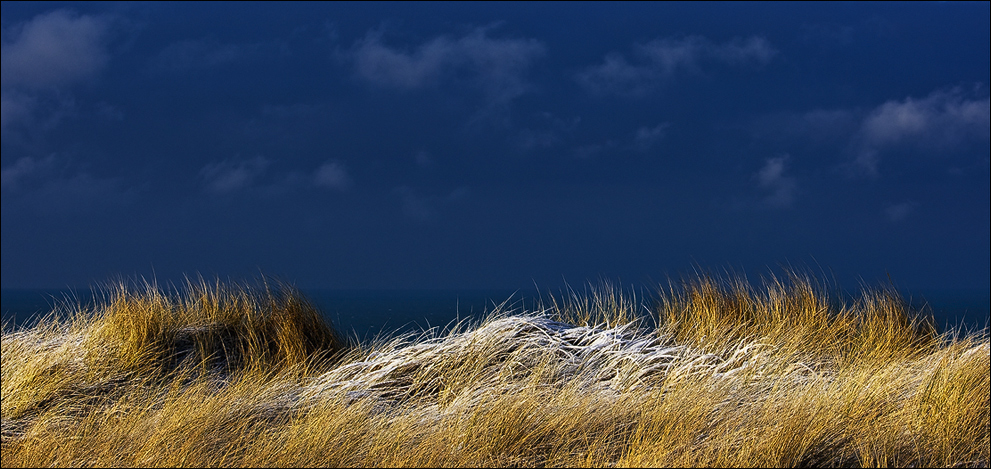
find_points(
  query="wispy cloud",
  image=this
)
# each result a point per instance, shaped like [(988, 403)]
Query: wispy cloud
[(594, 150), (642, 141), (545, 130), (14, 177), (42, 58), (899, 212), (231, 175), (943, 120), (421, 207), (49, 52), (53, 183), (54, 49), (255, 176), (779, 188), (332, 175), (498, 67), (647, 137), (933, 126), (660, 60), (15, 107), (752, 50)]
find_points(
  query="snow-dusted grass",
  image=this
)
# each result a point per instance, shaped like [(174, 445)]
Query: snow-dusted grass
[(714, 373)]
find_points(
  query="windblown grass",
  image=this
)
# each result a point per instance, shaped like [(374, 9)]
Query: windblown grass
[(714, 373)]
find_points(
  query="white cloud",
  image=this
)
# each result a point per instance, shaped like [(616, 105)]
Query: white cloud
[(53, 184), (254, 176), (899, 212), (647, 137), (82, 192), (422, 207), (231, 175), (15, 107), (752, 50), (384, 66), (640, 141), (779, 188), (545, 130), (54, 49), (332, 175), (941, 121), (589, 151), (14, 177), (667, 56), (942, 116), (934, 126), (617, 76), (530, 139), (43, 55), (497, 66), (660, 60)]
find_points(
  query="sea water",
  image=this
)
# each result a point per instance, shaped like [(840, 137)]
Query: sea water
[(367, 314), (361, 314)]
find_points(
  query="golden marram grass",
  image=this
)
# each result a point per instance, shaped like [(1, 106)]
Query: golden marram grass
[(718, 373)]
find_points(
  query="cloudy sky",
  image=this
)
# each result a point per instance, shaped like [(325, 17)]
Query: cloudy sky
[(494, 145)]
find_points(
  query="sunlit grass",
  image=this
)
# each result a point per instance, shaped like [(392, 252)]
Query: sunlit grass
[(713, 372)]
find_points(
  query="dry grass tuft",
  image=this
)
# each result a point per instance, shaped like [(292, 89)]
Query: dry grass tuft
[(729, 375)]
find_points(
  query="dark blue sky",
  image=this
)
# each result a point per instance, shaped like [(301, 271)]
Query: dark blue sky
[(500, 145)]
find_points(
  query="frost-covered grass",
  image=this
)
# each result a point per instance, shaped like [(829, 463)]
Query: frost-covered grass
[(715, 372)]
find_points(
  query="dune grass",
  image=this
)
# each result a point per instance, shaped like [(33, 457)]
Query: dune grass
[(713, 372)]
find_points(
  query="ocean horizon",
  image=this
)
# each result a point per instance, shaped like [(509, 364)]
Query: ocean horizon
[(369, 313)]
